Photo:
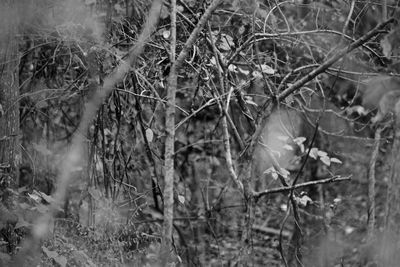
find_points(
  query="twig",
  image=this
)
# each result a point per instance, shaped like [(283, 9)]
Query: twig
[(176, 63), (264, 36), (227, 146), (269, 230), (258, 195), (193, 36), (333, 59), (371, 185)]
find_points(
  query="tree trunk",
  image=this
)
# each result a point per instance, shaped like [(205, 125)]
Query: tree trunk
[(388, 253), (169, 170), (9, 121), (9, 91)]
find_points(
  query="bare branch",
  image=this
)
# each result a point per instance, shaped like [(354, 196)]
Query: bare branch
[(333, 59), (193, 36), (371, 185), (227, 146), (258, 195)]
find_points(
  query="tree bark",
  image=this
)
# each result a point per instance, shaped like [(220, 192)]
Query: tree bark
[(9, 91), (388, 253), (169, 146)]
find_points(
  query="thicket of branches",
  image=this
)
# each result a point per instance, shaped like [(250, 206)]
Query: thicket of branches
[(201, 133)]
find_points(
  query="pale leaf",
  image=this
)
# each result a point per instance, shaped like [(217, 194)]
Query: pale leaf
[(303, 201), (335, 160), (283, 138), (267, 69), (226, 42), (285, 173), (299, 140), (243, 71), (149, 135), (322, 153), (181, 199), (288, 147), (269, 170), (180, 8), (314, 153), (326, 160), (166, 34), (232, 68)]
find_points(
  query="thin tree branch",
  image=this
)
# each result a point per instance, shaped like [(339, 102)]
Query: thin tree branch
[(257, 37), (227, 146), (193, 36), (169, 146), (371, 185), (258, 195), (333, 59)]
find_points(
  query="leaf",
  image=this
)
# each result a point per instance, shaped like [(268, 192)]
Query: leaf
[(289, 100), (314, 153), (215, 161), (386, 47), (149, 135), (360, 110), (349, 229), (164, 12), (267, 69), (272, 171), (180, 8), (326, 160), (288, 147), (335, 160), (284, 207), (250, 101), (119, 9), (303, 201), (213, 61), (285, 173), (232, 68), (269, 170), (243, 71), (47, 198), (322, 153), (302, 148), (337, 200), (226, 42), (283, 138), (166, 34), (95, 193), (35, 197), (181, 199), (299, 140)]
